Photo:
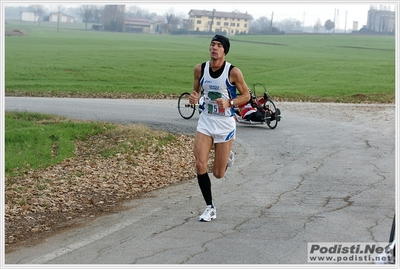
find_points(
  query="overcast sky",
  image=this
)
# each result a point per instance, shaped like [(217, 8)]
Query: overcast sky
[(305, 11)]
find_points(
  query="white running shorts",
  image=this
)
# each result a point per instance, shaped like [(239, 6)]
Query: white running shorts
[(220, 128)]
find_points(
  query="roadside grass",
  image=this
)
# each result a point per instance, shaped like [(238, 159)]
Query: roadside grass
[(34, 140), (77, 62)]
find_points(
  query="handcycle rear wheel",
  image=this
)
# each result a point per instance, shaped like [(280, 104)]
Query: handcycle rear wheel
[(185, 109), (272, 122)]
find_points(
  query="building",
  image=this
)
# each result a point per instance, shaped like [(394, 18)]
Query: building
[(58, 16), (355, 25), (29, 16), (231, 23), (137, 25), (141, 25), (381, 21)]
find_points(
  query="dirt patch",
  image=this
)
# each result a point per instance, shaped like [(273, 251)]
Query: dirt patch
[(14, 33)]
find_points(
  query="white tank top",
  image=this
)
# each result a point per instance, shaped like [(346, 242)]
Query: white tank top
[(215, 88)]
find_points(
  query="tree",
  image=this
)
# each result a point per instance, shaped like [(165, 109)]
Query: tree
[(260, 26), (137, 12), (263, 23), (329, 25), (38, 10), (290, 24), (98, 13), (172, 21), (317, 25), (86, 12)]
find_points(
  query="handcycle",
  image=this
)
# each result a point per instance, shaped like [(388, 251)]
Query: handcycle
[(272, 114)]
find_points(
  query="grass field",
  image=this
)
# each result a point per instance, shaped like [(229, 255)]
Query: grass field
[(33, 140), (333, 68)]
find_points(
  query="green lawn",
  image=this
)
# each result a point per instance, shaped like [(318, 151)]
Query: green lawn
[(34, 140), (334, 68)]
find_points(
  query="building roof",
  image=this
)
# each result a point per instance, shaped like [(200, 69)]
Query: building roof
[(197, 12), (64, 15), (137, 21)]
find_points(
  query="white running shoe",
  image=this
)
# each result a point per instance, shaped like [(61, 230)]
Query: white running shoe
[(231, 159), (209, 214)]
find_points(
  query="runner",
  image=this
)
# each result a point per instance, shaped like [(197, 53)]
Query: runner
[(216, 126)]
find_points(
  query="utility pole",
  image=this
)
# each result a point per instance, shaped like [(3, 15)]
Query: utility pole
[(304, 18), (272, 18), (58, 19), (345, 23), (334, 22), (338, 18)]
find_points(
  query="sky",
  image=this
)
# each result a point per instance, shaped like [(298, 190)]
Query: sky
[(307, 12)]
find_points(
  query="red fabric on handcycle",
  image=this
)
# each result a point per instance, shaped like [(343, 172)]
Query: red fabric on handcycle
[(250, 111)]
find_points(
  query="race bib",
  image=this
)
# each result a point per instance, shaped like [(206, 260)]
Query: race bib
[(212, 106)]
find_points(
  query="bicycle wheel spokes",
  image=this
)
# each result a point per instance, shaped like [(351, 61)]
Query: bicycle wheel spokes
[(272, 122), (185, 109)]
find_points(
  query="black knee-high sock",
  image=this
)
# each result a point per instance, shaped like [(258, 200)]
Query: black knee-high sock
[(205, 187)]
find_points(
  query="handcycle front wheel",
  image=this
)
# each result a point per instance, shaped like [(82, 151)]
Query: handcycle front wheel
[(185, 108), (272, 122)]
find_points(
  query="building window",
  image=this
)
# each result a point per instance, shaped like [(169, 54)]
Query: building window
[(245, 25), (198, 22), (226, 23), (232, 24), (198, 16), (238, 25), (218, 23)]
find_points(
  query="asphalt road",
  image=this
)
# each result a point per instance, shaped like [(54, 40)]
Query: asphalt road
[(325, 174)]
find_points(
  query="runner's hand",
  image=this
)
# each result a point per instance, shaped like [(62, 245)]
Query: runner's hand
[(193, 98)]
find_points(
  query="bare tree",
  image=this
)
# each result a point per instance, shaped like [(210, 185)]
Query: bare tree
[(86, 12), (137, 12), (290, 24), (98, 13), (264, 24), (38, 10), (172, 20), (317, 25)]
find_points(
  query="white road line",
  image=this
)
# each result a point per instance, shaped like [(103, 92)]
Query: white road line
[(77, 245)]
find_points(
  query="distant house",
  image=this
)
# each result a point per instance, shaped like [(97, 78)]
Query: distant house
[(58, 16), (137, 25), (29, 16), (218, 21), (158, 25), (141, 25)]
